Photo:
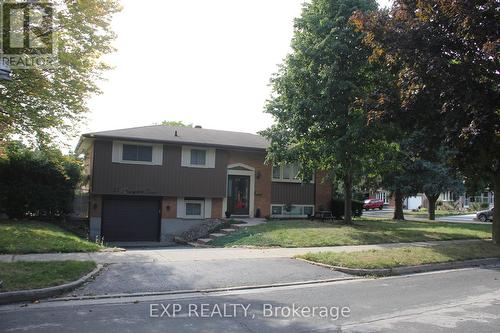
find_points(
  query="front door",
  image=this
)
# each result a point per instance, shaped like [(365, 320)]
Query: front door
[(238, 194)]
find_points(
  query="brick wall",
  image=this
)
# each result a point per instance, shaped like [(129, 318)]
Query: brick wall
[(95, 205), (323, 191), (217, 208), (168, 208)]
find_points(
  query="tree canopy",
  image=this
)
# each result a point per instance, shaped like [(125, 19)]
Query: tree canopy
[(317, 91), (175, 123), (41, 103), (445, 55)]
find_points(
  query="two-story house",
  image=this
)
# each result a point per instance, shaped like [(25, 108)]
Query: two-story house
[(151, 183)]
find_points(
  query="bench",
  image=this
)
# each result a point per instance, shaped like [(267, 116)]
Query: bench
[(323, 215)]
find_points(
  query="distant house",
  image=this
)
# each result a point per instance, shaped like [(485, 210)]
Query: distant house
[(151, 183), (458, 200)]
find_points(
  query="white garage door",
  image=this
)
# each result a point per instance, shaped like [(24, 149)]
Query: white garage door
[(414, 202)]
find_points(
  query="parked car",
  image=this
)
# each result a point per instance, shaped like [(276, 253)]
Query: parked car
[(373, 204), (485, 215)]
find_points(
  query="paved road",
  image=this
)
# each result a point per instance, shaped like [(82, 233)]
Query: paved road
[(454, 301), (386, 212), (199, 275)]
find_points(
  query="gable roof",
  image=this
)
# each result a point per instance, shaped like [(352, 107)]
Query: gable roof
[(185, 135)]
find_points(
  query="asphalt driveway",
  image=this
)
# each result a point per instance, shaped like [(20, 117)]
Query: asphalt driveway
[(195, 275)]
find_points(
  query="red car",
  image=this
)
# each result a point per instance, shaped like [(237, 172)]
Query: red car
[(373, 204)]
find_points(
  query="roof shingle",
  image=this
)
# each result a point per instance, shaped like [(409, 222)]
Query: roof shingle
[(185, 135)]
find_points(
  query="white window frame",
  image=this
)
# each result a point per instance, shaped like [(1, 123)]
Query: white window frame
[(209, 157), (196, 202), (117, 153), (206, 208), (284, 180), (284, 214)]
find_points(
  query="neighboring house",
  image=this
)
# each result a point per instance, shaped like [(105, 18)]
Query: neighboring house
[(458, 200), (151, 183), (413, 202)]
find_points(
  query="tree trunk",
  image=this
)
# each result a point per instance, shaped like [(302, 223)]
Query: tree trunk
[(496, 214), (432, 206), (348, 198), (398, 209)]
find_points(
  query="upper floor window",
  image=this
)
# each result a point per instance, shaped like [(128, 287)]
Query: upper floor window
[(137, 153), (196, 157), (286, 172)]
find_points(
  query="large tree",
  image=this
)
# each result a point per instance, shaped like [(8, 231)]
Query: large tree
[(447, 53), (40, 103), (317, 93)]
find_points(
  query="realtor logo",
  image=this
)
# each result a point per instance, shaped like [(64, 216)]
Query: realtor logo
[(27, 34)]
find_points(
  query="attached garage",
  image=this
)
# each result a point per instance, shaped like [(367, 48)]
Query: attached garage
[(130, 219)]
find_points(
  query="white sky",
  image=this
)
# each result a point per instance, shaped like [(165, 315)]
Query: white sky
[(202, 62)]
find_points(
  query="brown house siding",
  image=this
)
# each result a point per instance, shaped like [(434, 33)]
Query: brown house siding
[(292, 193), (262, 177), (169, 179)]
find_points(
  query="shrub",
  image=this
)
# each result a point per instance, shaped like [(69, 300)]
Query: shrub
[(37, 182), (475, 206), (338, 207)]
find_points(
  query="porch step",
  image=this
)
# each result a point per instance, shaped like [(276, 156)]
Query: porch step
[(227, 231), (196, 244), (216, 235), (203, 241)]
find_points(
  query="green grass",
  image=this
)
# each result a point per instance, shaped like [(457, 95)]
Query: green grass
[(408, 256), (303, 233), (39, 237), (23, 275), (439, 213)]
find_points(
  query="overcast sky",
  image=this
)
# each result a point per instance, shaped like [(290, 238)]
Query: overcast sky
[(202, 62)]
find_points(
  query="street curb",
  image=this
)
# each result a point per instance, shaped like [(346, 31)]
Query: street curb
[(408, 269), (203, 291), (35, 294)]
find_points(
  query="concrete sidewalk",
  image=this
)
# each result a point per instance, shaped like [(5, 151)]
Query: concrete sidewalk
[(199, 254)]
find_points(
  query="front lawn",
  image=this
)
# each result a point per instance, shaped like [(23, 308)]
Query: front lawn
[(303, 233), (407, 256), (23, 275), (40, 237)]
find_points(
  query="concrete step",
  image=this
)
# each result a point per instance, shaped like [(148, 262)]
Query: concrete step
[(195, 244), (216, 235), (238, 226), (203, 241), (227, 231)]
